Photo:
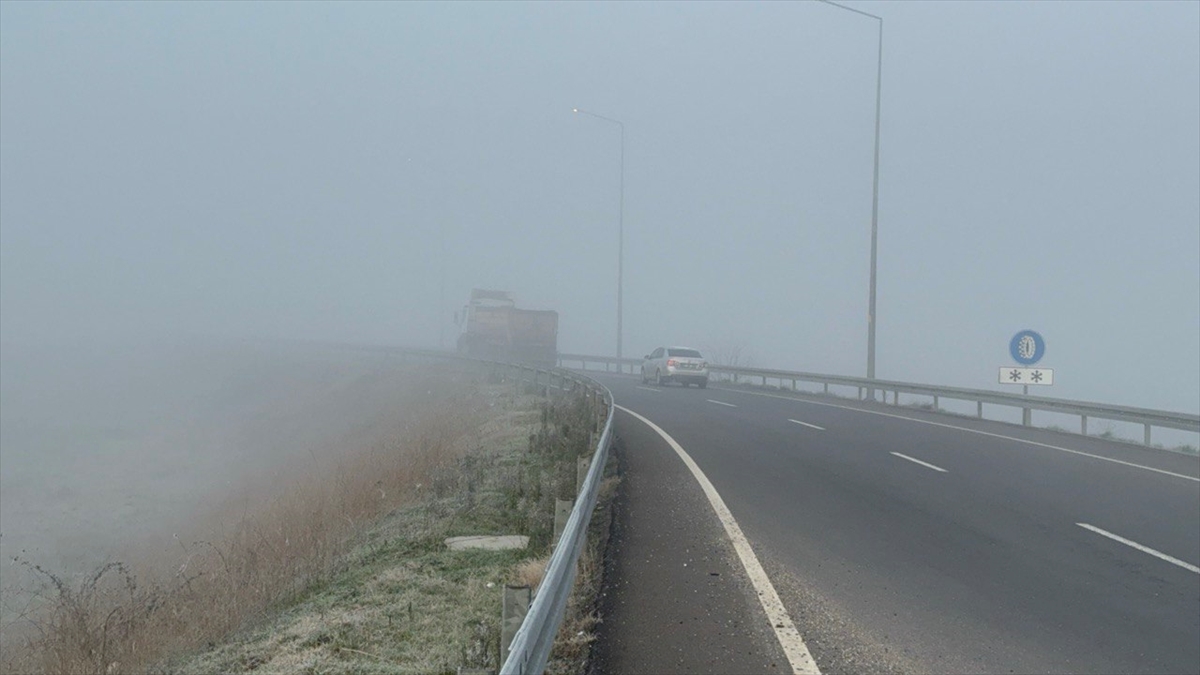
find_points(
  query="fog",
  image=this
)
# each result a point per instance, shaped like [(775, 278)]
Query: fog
[(349, 172), (132, 454), (175, 176)]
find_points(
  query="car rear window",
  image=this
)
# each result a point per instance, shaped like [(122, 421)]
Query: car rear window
[(684, 352)]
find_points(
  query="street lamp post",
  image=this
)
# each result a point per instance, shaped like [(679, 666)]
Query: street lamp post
[(620, 223), (874, 197)]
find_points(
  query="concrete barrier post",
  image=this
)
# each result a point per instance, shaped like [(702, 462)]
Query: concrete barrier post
[(581, 469), (512, 613), (562, 511)]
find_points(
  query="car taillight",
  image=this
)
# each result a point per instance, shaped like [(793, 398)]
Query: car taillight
[(671, 363)]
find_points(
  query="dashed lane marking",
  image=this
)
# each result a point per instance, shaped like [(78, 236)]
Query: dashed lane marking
[(917, 461), (974, 431), (1143, 549)]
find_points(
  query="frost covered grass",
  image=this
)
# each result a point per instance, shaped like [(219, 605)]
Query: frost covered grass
[(342, 567)]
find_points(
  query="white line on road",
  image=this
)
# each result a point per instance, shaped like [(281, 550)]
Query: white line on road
[(785, 631), (1143, 549), (649, 389), (806, 424), (925, 464), (973, 431), (722, 403)]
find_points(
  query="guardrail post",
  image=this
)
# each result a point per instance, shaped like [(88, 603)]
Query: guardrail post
[(562, 511), (935, 402), (512, 613), (860, 394), (581, 468), (1147, 441), (1082, 424), (826, 388), (1026, 416), (979, 411)]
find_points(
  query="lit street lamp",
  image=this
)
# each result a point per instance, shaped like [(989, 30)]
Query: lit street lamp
[(874, 197), (620, 222)]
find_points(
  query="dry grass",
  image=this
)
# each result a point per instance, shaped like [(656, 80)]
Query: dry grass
[(530, 572), (338, 566), (403, 602), (263, 550)]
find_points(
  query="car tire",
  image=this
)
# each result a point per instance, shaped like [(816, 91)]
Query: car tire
[(703, 384), (658, 381)]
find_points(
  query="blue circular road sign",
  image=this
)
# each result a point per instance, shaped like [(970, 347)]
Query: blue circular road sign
[(1027, 347)]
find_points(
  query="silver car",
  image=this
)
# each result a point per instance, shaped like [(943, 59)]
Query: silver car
[(675, 364)]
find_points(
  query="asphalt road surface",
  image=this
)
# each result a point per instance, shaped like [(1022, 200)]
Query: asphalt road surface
[(897, 540)]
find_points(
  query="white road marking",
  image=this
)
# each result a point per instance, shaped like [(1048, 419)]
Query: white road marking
[(975, 431), (806, 424), (925, 464), (785, 631), (722, 403), (1143, 549), (649, 389)]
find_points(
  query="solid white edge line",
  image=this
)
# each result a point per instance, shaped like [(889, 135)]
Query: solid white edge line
[(789, 638), (926, 464), (1143, 549), (806, 424), (972, 431), (721, 403), (648, 389)]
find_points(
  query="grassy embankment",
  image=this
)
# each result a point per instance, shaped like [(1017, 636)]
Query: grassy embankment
[(344, 569)]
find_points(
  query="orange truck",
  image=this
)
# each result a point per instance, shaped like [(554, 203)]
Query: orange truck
[(493, 328)]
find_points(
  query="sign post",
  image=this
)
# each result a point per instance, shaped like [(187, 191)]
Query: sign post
[(1027, 348)]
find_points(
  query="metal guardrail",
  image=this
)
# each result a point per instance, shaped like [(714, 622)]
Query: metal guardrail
[(530, 648), (1086, 410)]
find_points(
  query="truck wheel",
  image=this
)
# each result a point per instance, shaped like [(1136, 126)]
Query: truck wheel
[(703, 384)]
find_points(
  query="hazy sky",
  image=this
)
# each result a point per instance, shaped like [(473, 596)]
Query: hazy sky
[(309, 170)]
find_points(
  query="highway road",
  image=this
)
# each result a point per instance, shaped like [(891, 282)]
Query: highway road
[(897, 540)]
